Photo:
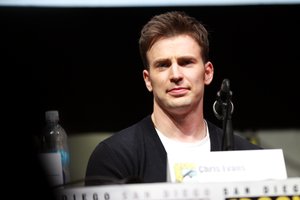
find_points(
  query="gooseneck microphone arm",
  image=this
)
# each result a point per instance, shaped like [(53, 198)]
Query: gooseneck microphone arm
[(223, 109)]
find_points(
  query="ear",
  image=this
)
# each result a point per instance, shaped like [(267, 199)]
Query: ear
[(147, 80), (208, 73)]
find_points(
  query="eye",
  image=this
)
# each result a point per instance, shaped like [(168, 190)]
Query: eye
[(163, 64)]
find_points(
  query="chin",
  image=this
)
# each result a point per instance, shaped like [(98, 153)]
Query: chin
[(180, 105)]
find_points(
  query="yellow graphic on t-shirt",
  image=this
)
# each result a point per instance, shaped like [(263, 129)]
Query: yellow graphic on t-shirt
[(185, 172)]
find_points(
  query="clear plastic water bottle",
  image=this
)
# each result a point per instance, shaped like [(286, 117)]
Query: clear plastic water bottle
[(55, 140)]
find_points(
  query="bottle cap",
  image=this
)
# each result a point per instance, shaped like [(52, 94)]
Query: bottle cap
[(52, 115)]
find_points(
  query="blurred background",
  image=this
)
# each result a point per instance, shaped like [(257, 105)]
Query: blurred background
[(82, 59)]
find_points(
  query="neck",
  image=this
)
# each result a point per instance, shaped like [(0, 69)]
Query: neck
[(185, 127)]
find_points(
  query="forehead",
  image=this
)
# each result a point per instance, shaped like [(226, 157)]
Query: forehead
[(174, 46)]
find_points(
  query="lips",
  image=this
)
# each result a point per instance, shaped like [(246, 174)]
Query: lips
[(180, 91)]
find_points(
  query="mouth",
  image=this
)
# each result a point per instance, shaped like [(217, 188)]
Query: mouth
[(179, 91)]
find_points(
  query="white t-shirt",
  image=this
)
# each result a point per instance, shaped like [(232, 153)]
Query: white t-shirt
[(173, 146)]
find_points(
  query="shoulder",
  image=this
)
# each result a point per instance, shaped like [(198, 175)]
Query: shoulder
[(216, 136), (129, 136), (133, 131), (241, 143)]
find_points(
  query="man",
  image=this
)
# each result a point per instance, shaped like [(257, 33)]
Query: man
[(174, 48)]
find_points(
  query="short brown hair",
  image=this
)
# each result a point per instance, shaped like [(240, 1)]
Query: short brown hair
[(172, 24)]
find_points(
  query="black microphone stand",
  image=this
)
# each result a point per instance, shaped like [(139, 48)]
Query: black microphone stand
[(224, 105)]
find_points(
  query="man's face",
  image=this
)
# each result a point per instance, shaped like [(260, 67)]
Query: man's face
[(177, 73)]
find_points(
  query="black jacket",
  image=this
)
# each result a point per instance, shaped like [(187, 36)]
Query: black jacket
[(138, 152)]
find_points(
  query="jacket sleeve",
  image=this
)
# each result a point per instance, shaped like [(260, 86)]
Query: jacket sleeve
[(105, 166)]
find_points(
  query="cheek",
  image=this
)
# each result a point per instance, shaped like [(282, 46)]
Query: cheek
[(159, 79), (153, 83), (196, 76), (157, 84)]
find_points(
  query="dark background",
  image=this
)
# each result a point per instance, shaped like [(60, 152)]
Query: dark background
[(85, 63)]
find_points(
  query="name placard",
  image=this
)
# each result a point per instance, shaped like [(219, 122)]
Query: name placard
[(222, 166), (287, 189)]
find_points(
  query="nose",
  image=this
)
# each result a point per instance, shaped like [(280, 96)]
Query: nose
[(175, 73)]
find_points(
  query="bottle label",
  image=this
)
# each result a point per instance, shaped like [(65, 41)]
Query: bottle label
[(65, 158), (51, 163)]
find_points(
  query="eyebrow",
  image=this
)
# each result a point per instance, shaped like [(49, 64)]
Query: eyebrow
[(186, 58), (182, 58)]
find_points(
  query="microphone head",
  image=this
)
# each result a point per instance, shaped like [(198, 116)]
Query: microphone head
[(223, 100), (225, 87), (224, 93)]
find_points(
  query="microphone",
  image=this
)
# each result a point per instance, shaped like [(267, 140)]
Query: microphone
[(223, 108), (223, 99), (224, 92)]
